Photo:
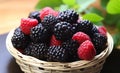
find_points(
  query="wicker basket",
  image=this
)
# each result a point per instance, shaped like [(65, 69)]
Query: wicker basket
[(30, 64)]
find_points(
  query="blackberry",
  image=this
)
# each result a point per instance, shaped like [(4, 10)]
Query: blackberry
[(57, 54), (19, 39), (49, 21), (71, 46), (40, 34), (37, 50), (69, 16), (93, 30), (99, 42), (63, 31), (35, 15), (84, 26)]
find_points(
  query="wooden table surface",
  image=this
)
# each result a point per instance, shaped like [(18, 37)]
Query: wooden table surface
[(11, 12)]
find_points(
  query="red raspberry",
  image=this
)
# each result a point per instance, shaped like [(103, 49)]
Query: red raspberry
[(86, 51), (80, 37), (27, 24), (47, 10), (54, 41), (102, 30)]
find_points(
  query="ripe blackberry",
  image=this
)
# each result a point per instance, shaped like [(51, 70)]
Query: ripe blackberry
[(63, 31), (84, 26), (71, 46), (40, 34), (69, 16), (37, 50), (35, 15), (57, 54), (49, 20), (93, 30), (99, 42), (19, 39)]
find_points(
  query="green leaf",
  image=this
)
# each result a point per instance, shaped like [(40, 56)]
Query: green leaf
[(94, 10), (69, 2), (113, 7), (48, 3), (111, 19), (99, 23), (104, 3), (93, 17), (116, 39), (118, 25), (84, 4), (63, 8)]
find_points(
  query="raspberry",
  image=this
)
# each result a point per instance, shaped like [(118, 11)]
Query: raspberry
[(37, 50), (69, 16), (54, 41), (80, 37), (27, 24), (71, 46), (99, 42), (40, 34), (63, 31), (84, 26), (45, 11), (35, 15), (19, 39), (57, 54), (102, 30), (86, 51)]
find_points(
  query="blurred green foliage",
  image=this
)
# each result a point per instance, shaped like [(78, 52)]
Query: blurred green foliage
[(110, 16)]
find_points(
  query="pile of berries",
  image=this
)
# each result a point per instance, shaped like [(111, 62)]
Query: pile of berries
[(59, 36)]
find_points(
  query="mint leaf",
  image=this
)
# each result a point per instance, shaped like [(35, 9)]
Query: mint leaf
[(93, 17), (113, 7), (69, 2), (48, 3), (84, 4)]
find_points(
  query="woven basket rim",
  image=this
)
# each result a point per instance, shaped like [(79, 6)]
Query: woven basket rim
[(36, 62)]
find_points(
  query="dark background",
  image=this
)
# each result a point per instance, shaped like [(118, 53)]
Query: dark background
[(8, 64)]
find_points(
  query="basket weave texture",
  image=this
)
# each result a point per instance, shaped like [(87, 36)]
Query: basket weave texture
[(30, 64)]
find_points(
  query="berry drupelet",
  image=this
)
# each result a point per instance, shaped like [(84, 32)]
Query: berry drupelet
[(40, 34), (19, 39), (69, 16), (57, 54), (37, 50), (35, 15), (99, 41), (71, 46), (84, 26), (63, 31)]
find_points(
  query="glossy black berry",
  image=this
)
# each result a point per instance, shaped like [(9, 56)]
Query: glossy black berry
[(72, 47), (49, 21), (84, 26), (69, 16), (19, 39), (63, 31), (37, 50), (40, 34), (57, 54), (99, 41), (35, 15)]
